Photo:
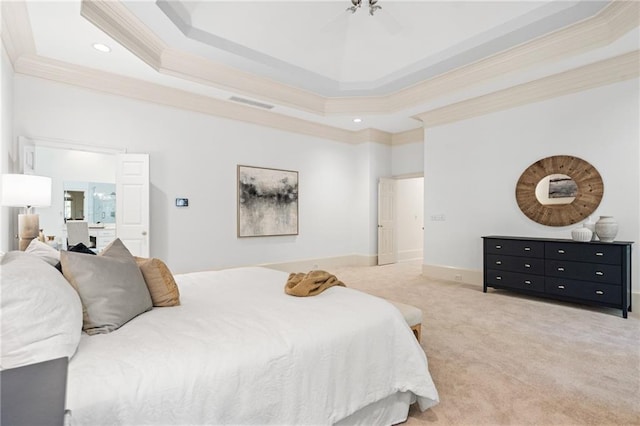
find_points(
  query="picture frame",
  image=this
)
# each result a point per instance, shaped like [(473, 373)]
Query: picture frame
[(267, 202)]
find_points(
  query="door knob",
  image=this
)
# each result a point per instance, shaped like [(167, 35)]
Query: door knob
[(144, 232)]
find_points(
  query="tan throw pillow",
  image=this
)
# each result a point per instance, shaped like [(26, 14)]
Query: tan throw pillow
[(160, 282), (111, 287)]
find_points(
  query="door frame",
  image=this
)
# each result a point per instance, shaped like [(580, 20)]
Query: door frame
[(395, 257)]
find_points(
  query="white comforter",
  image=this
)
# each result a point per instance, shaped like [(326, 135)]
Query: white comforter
[(240, 351)]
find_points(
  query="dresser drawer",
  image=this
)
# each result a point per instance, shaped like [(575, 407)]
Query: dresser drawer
[(598, 292), (611, 274), (515, 247), (525, 265), (599, 253), (514, 280)]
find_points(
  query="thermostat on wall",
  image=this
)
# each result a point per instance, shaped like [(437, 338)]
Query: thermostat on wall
[(182, 202)]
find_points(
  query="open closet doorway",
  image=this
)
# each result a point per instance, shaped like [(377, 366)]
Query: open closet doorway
[(400, 219)]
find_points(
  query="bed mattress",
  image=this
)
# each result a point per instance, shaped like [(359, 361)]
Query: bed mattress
[(238, 350)]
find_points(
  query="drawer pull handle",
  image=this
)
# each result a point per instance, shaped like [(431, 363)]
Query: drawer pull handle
[(498, 278), (599, 273), (600, 292), (599, 253), (526, 265), (498, 262), (561, 251), (561, 287), (498, 247), (527, 249), (527, 282), (561, 269)]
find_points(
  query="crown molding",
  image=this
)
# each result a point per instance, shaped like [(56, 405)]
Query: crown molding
[(615, 20), (117, 21), (113, 17), (570, 41), (613, 70), (195, 68), (620, 17), (372, 135), (62, 72), (409, 136), (17, 35)]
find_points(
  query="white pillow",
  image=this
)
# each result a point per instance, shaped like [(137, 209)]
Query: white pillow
[(41, 313), (43, 251)]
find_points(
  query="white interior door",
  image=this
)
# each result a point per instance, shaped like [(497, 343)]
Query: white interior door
[(387, 246), (132, 202)]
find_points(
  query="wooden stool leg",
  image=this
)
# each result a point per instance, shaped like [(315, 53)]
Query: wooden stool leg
[(417, 330)]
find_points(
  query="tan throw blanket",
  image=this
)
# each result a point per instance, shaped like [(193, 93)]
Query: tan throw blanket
[(310, 284)]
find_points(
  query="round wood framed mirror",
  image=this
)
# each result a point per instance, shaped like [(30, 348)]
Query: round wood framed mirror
[(559, 190)]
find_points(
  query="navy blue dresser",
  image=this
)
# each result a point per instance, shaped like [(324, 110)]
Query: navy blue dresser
[(594, 273)]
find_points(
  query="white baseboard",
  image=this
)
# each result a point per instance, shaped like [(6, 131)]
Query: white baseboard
[(449, 273), (325, 263), (406, 255)]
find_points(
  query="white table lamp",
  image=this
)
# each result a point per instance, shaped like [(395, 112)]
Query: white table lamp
[(26, 191)]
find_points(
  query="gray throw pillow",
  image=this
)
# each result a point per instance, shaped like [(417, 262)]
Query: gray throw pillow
[(111, 287)]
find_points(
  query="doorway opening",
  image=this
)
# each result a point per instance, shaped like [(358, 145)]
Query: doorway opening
[(400, 219)]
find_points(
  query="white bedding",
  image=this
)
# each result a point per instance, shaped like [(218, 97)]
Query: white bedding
[(240, 351)]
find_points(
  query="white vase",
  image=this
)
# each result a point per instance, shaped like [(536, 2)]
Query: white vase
[(606, 228), (583, 234)]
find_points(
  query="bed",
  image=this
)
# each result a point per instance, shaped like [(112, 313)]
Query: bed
[(238, 350)]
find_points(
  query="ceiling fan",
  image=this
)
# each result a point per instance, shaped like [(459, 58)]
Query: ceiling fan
[(373, 6), (339, 23)]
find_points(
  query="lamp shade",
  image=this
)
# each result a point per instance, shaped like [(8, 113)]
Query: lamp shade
[(25, 190)]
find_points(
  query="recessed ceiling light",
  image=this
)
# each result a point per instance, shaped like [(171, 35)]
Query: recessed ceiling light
[(357, 120), (101, 47)]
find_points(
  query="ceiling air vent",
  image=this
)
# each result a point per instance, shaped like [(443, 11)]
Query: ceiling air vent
[(250, 102)]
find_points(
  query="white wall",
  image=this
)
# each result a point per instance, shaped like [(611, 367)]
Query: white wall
[(407, 159), (195, 156), (379, 165), (472, 166), (6, 137)]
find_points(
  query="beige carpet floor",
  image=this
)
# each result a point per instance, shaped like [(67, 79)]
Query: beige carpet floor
[(503, 359)]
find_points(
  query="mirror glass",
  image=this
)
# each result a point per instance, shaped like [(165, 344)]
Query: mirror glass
[(559, 190), (556, 189), (94, 202)]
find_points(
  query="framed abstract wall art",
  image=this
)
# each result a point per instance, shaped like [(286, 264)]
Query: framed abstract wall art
[(267, 202)]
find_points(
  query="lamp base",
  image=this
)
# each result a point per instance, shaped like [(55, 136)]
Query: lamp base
[(28, 228)]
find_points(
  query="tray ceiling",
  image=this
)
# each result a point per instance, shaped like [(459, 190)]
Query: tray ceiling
[(313, 61)]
